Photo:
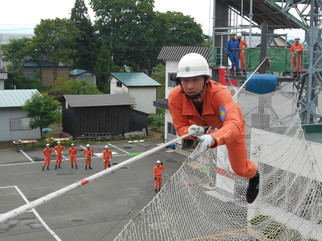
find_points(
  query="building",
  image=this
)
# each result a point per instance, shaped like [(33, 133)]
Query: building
[(138, 86), (103, 115), (171, 55), (14, 123), (81, 74), (3, 77)]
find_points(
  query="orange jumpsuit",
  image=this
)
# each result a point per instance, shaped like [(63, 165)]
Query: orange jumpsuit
[(72, 155), (219, 111), (59, 150), (296, 51), (242, 46), (107, 155), (88, 152), (47, 151), (157, 172)]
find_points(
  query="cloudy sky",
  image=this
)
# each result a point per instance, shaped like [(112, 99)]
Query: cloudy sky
[(20, 16)]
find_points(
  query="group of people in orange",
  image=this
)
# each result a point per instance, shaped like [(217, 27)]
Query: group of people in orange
[(88, 153)]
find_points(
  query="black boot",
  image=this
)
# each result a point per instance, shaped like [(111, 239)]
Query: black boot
[(72, 166), (43, 168), (59, 166), (76, 166), (90, 167), (85, 167), (47, 167), (253, 188), (55, 167), (244, 72), (156, 190)]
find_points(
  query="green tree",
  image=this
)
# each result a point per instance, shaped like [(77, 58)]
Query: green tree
[(87, 43), (180, 30), (16, 49), (42, 109), (158, 74), (104, 66), (56, 39), (127, 26), (82, 87)]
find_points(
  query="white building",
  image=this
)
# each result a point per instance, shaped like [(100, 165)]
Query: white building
[(140, 87)]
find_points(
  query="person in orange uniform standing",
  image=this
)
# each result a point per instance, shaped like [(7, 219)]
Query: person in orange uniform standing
[(59, 154), (157, 172), (88, 153), (198, 103), (242, 47), (72, 155), (107, 155), (47, 151), (296, 52)]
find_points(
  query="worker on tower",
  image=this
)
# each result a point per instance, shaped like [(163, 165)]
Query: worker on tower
[(296, 52), (199, 106), (242, 47), (59, 154), (107, 155), (47, 151), (88, 153), (232, 50), (157, 173), (72, 155)]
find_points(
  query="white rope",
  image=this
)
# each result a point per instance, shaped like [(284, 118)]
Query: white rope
[(29, 206), (263, 61)]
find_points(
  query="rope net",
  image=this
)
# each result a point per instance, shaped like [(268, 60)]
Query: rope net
[(204, 200)]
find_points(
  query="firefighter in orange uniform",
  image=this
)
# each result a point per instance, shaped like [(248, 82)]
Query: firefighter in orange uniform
[(88, 153), (296, 52), (59, 154), (107, 155), (242, 47), (157, 172), (199, 103), (72, 155), (47, 151)]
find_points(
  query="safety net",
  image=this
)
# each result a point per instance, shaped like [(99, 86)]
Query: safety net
[(205, 200)]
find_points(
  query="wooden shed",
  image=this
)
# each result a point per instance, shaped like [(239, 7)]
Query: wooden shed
[(97, 115)]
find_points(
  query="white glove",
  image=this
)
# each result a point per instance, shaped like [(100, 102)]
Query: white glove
[(196, 131), (205, 141)]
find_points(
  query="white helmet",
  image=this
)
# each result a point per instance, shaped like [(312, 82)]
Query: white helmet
[(72, 144), (58, 142), (47, 144), (239, 34), (158, 162), (106, 146), (87, 145), (192, 65)]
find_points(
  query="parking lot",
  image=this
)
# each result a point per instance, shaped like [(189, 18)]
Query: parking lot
[(96, 211)]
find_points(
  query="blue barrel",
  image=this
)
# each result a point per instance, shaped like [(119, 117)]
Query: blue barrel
[(172, 146), (262, 83)]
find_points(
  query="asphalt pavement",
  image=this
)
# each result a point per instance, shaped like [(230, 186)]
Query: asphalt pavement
[(97, 211)]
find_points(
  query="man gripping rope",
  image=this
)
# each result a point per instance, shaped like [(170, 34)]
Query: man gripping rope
[(199, 102)]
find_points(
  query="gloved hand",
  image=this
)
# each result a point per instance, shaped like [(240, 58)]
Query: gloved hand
[(205, 141), (196, 130), (155, 178)]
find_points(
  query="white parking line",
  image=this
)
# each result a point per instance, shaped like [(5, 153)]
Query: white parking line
[(118, 148), (35, 212), (29, 158)]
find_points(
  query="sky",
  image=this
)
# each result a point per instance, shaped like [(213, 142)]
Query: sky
[(21, 16)]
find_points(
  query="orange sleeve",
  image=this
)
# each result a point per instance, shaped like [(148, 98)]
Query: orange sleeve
[(233, 123)]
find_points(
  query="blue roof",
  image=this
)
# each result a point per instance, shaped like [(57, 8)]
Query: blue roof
[(15, 98), (136, 80), (78, 71)]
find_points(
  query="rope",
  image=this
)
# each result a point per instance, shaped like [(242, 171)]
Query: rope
[(30, 205)]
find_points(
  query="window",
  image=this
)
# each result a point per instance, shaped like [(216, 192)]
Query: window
[(21, 123), (171, 129), (172, 80), (118, 83)]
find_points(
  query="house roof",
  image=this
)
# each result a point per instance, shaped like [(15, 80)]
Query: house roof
[(15, 98), (78, 71), (99, 100), (175, 53), (44, 64), (135, 80)]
